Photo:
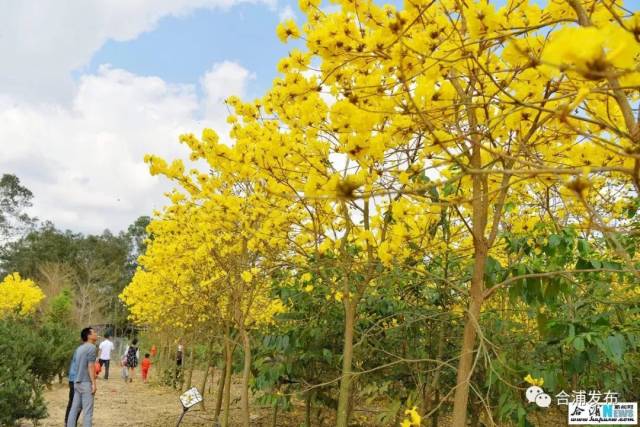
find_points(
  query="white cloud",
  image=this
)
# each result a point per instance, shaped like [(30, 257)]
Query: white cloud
[(79, 145), (83, 161), (43, 41), (223, 79), (287, 13)]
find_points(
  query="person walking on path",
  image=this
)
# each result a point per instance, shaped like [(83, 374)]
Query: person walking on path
[(106, 347), (133, 354), (145, 365), (123, 363), (85, 380), (72, 380), (177, 379)]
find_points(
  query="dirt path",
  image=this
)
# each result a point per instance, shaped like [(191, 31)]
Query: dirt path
[(119, 404)]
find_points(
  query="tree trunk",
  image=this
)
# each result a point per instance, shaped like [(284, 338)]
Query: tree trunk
[(480, 214), (208, 364), (213, 378), (204, 384), (274, 421), (431, 397), (475, 413), (342, 419), (160, 358), (434, 416), (246, 375), (175, 374), (227, 381), (465, 364), (220, 391), (307, 409), (191, 366)]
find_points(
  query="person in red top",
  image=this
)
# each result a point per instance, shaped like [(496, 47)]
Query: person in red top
[(145, 365), (153, 351)]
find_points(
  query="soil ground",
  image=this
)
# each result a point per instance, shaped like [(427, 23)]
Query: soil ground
[(120, 404)]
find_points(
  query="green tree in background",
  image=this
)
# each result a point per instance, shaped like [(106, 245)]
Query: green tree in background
[(93, 268), (14, 199)]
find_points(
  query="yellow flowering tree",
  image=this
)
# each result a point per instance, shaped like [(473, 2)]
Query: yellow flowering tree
[(503, 103), (19, 296), (355, 218), (495, 118), (211, 255)]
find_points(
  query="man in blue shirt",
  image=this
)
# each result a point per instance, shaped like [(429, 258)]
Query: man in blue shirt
[(72, 380), (85, 379)]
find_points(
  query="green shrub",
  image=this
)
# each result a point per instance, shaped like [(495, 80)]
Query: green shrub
[(21, 371), (33, 352)]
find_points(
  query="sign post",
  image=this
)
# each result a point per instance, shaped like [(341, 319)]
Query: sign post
[(189, 399)]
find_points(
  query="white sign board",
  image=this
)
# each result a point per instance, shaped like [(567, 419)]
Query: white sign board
[(190, 398)]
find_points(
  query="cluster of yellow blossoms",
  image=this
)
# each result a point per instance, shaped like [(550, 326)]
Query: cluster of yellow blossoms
[(19, 296)]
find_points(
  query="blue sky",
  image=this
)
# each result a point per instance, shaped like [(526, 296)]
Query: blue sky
[(182, 49)]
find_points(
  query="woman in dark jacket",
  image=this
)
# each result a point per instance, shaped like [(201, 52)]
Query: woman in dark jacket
[(133, 353)]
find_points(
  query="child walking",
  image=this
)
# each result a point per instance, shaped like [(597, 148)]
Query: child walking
[(145, 365), (123, 363)]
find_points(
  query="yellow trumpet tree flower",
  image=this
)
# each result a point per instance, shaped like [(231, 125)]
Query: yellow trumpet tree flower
[(19, 296)]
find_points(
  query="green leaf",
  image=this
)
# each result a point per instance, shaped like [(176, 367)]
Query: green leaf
[(583, 247), (509, 206), (492, 270), (578, 363), (551, 290), (533, 290), (449, 189), (554, 240), (616, 345), (572, 330), (632, 208), (522, 417), (583, 264), (543, 324)]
